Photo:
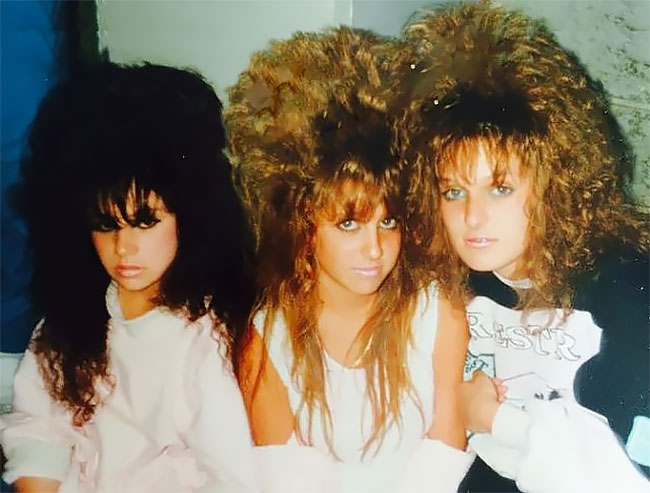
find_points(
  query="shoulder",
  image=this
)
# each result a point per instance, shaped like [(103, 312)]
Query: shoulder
[(203, 344), (270, 337), (487, 285), (271, 326), (621, 263), (424, 323), (615, 292), (427, 299)]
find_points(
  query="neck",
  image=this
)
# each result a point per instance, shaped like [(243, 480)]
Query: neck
[(513, 272), (336, 299), (135, 303), (341, 316)]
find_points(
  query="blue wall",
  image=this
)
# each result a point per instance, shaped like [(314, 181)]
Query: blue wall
[(28, 48)]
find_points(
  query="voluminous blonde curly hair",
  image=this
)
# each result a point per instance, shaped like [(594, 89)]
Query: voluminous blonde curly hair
[(481, 75), (310, 140)]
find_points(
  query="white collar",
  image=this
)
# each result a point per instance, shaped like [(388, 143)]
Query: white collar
[(151, 321), (518, 284)]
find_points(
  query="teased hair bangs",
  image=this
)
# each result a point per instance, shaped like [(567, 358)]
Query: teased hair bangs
[(125, 202), (458, 157), (338, 200)]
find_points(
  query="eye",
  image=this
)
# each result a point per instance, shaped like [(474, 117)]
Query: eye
[(103, 228), (145, 219), (502, 190), (454, 194), (148, 223), (104, 225), (388, 223), (348, 225)]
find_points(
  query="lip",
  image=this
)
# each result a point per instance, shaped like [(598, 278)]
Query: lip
[(479, 241), (128, 270), (368, 271)]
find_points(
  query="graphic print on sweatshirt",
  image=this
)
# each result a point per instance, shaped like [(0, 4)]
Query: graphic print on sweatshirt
[(536, 355)]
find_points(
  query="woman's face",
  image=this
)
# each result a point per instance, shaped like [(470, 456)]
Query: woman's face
[(487, 222), (355, 256), (138, 251)]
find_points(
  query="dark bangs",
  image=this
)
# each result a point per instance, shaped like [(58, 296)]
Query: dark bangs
[(126, 200)]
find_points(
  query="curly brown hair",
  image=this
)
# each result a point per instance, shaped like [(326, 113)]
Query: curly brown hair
[(310, 139), (481, 75)]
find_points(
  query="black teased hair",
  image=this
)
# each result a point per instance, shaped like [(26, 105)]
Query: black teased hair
[(94, 137)]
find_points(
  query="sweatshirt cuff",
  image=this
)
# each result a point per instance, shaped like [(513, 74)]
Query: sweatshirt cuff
[(295, 469), (510, 426), (34, 458), (435, 462), (438, 451)]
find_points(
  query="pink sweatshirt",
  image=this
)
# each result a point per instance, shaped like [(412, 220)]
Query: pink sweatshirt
[(174, 422)]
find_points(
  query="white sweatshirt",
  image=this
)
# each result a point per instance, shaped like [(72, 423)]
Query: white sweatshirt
[(543, 438), (557, 447), (174, 422)]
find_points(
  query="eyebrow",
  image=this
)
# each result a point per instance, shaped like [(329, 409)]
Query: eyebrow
[(444, 180)]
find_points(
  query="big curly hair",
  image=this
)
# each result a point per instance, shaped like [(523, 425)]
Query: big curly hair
[(481, 75), (111, 136), (310, 139)]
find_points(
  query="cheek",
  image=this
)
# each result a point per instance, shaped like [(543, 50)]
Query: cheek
[(164, 244), (324, 250), (521, 217), (393, 245), (512, 220), (102, 244), (451, 215)]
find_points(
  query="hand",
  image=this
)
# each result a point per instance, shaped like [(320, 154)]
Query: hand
[(502, 389), (479, 400)]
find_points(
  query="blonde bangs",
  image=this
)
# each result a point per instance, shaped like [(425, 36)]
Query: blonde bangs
[(349, 199)]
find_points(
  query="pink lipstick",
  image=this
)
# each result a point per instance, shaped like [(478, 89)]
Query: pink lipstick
[(128, 270), (479, 241)]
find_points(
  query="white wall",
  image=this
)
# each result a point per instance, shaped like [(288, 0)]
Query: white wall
[(214, 36), (612, 38)]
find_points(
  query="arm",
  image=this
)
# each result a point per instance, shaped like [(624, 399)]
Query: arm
[(448, 360), (282, 467), (440, 461), (265, 396), (572, 442), (219, 436), (37, 437), (526, 444), (479, 401), (567, 438), (617, 298), (36, 485)]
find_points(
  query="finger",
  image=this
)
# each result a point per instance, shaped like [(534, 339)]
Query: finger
[(479, 374)]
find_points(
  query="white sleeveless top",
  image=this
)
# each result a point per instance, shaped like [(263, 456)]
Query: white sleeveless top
[(351, 410)]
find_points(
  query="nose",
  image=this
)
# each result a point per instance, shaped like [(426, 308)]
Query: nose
[(375, 250), (475, 211), (125, 241)]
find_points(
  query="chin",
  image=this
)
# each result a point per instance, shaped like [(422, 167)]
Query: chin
[(134, 285), (481, 265), (365, 290)]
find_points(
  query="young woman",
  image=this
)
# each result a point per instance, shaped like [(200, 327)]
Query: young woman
[(343, 387), (140, 246), (524, 162)]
